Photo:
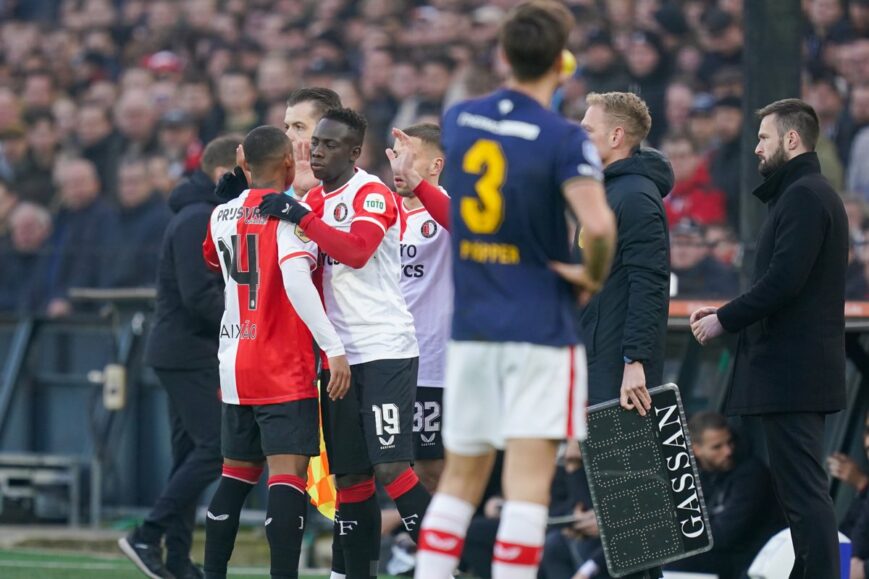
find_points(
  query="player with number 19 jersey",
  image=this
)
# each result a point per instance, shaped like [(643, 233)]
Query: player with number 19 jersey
[(513, 336)]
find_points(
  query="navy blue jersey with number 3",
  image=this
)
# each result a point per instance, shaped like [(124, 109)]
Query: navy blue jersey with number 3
[(508, 159)]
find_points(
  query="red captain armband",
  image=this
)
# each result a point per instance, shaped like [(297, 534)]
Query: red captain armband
[(435, 201)]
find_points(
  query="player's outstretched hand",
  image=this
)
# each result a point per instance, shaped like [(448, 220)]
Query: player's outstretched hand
[(633, 394), (406, 177), (577, 275), (283, 207), (231, 185), (339, 380)]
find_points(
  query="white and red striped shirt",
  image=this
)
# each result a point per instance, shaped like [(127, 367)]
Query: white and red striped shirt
[(266, 350), (366, 305), (427, 285)]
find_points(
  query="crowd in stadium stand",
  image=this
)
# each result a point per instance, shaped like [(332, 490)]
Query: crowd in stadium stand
[(106, 104)]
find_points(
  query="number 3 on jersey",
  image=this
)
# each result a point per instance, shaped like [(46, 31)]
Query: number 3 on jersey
[(486, 213), (249, 278)]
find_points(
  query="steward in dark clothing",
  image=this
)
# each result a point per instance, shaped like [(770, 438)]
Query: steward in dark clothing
[(789, 365), (133, 263), (182, 348), (743, 515), (628, 318)]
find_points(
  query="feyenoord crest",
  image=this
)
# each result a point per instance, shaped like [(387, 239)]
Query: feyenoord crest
[(301, 234), (428, 229), (340, 212)]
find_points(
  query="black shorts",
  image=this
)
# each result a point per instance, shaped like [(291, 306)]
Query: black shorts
[(428, 442), (373, 424), (251, 433)]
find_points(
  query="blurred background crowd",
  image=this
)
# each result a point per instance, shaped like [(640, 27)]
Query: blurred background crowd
[(106, 104)]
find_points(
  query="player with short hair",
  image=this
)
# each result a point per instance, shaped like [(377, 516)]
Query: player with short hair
[(426, 283), (267, 365), (305, 108), (354, 220), (515, 365)]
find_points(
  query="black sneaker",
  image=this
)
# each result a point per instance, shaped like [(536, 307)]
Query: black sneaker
[(188, 571), (148, 557)]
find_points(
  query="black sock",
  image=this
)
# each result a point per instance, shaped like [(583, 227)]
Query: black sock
[(359, 529), (338, 565), (411, 499), (285, 524), (221, 522)]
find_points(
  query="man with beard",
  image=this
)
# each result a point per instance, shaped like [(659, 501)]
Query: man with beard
[(790, 361)]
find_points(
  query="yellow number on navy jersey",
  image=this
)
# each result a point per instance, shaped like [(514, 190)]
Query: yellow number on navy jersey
[(486, 213)]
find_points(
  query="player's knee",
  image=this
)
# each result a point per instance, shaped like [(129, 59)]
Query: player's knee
[(386, 473), (292, 464), (348, 480)]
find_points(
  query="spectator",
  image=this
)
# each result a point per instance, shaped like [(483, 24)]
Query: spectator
[(23, 286), (650, 73), (697, 272), (856, 119), (142, 219), (603, 69), (100, 143), (826, 24), (84, 229), (725, 165), (739, 497), (136, 118), (237, 99), (679, 102), (858, 172), (724, 245), (13, 151), (34, 171), (8, 201), (701, 123), (196, 99), (723, 40), (179, 143), (693, 196)]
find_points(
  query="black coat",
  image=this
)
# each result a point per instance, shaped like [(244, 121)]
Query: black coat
[(791, 349), (629, 316), (189, 296)]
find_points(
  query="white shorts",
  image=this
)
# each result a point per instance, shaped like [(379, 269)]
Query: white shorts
[(497, 391)]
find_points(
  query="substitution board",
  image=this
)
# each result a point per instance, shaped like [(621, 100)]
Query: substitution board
[(644, 484)]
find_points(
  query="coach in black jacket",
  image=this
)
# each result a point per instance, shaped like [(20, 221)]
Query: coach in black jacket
[(624, 325), (182, 348), (790, 361)]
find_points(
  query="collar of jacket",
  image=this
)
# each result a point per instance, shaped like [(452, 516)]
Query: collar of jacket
[(775, 184)]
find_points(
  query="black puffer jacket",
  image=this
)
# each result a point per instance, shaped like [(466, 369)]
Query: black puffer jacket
[(189, 296), (629, 316)]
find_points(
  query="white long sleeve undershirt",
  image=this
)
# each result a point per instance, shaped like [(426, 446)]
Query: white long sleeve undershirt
[(303, 295)]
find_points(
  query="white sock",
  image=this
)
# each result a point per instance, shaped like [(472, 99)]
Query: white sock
[(519, 545), (442, 536), (334, 575)]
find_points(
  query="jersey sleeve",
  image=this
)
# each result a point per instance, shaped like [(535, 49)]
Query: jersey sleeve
[(314, 199), (577, 158), (293, 243), (375, 203), (209, 250)]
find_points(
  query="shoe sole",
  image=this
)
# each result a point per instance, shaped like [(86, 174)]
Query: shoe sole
[(127, 549)]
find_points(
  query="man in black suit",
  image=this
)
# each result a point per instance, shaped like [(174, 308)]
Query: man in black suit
[(790, 361)]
